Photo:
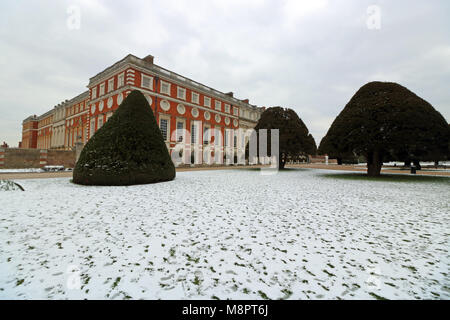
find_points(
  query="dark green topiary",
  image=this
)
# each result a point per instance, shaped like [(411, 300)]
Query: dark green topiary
[(128, 149), (384, 121), (294, 137)]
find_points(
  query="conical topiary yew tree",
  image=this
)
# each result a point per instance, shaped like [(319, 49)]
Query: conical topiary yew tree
[(384, 121), (128, 149)]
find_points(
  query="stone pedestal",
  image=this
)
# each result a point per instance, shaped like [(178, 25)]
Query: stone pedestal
[(78, 147)]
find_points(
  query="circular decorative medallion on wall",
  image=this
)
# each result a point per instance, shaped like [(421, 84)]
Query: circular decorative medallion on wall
[(217, 117), (181, 109), (110, 102), (194, 112), (165, 105), (227, 121), (93, 108), (235, 122), (119, 98), (100, 106), (149, 99), (207, 115)]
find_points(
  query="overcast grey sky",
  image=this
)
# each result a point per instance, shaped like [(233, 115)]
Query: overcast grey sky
[(311, 56)]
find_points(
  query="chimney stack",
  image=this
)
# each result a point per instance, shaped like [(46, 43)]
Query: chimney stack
[(246, 101), (230, 94), (149, 59)]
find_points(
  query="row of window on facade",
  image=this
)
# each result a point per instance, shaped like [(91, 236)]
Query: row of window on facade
[(120, 83), (147, 83), (76, 109), (164, 127), (194, 132)]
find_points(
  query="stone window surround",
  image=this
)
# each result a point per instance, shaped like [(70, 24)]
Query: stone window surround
[(101, 89), (217, 105), (183, 95), (121, 79), (180, 120), (162, 82), (110, 85), (205, 98), (197, 95), (143, 76)]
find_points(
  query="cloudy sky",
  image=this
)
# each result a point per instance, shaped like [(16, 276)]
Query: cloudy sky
[(311, 56)]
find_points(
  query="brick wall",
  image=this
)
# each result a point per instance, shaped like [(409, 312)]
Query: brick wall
[(61, 158), (20, 158), (12, 158), (321, 159)]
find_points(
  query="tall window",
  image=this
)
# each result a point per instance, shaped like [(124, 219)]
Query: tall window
[(181, 93), (121, 80), (227, 108), (102, 89), (147, 82), (193, 133), (180, 127), (165, 87), (235, 111), (218, 105), (205, 135), (195, 97), (94, 93), (92, 129), (163, 124), (100, 122), (110, 85), (207, 102)]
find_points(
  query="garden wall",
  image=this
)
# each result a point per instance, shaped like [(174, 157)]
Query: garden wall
[(14, 158)]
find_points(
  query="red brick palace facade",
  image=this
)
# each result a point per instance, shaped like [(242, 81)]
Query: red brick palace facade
[(177, 102)]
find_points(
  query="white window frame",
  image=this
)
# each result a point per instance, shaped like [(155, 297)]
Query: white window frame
[(225, 138), (166, 118), (207, 102), (236, 111), (207, 130), (178, 134), (167, 92), (183, 90), (100, 119), (218, 105), (92, 127), (111, 85), (101, 90), (150, 80), (121, 80), (94, 94), (197, 97), (195, 134), (227, 108)]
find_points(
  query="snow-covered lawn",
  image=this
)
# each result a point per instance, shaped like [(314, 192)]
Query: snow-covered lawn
[(227, 234), (21, 170)]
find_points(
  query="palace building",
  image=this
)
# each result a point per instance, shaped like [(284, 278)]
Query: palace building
[(179, 104)]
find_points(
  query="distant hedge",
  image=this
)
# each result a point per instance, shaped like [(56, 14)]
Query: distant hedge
[(129, 149)]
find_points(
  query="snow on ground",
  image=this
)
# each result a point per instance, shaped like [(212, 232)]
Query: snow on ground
[(21, 170), (227, 234), (401, 164)]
